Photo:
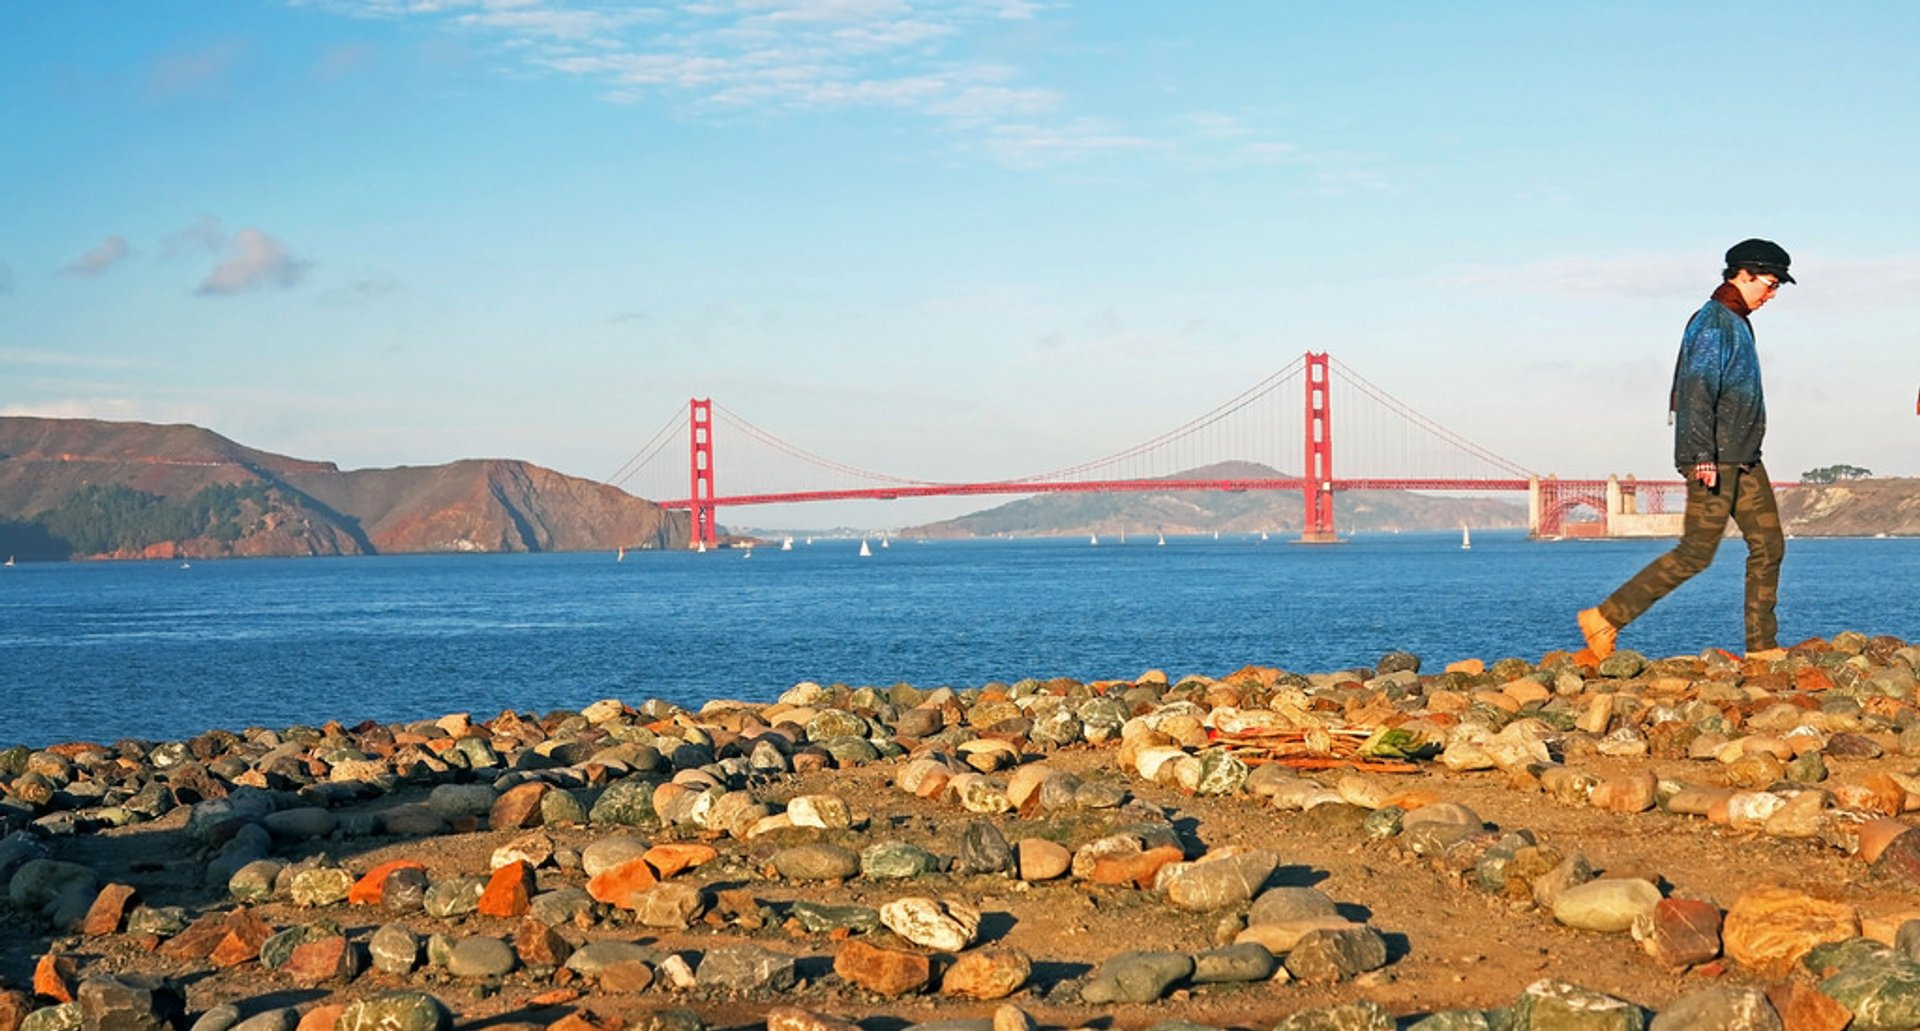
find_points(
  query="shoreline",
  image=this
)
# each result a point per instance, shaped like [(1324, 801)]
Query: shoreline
[(1048, 853)]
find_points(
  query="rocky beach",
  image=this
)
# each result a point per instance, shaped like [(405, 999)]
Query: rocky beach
[(1685, 842)]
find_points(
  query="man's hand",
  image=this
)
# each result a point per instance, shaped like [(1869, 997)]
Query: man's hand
[(1707, 473)]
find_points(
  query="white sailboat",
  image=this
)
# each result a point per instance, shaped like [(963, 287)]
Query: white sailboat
[(621, 555), (1263, 535), (883, 540), (865, 552), (1093, 539), (1466, 540), (1161, 542), (700, 547), (9, 561), (786, 544)]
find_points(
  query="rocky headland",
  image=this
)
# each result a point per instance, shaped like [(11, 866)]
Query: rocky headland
[(1689, 842), (86, 488)]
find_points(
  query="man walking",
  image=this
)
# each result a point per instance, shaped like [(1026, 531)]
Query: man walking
[(1719, 418)]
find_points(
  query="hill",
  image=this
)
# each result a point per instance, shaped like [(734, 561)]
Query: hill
[(1185, 512), (88, 488), (1853, 508)]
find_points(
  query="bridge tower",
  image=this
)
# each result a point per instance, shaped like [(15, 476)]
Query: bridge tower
[(700, 485), (1317, 469)]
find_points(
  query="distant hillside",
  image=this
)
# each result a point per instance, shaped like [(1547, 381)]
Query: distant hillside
[(87, 488), (1853, 508), (1178, 512)]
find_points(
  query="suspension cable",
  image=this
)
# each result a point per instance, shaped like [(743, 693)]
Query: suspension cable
[(1219, 412), (1427, 424), (638, 461), (807, 456)]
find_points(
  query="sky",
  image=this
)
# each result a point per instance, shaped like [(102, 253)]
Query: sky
[(945, 239)]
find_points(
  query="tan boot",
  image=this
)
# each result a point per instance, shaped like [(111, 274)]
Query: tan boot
[(1598, 632)]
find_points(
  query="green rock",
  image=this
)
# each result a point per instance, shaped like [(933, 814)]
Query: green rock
[(64, 1017), (275, 951), (1453, 1020), (454, 897), (626, 803), (1549, 1005), (1623, 664), (560, 807), (1883, 993), (896, 860), (1365, 1015), (395, 1011), (319, 886), (824, 919)]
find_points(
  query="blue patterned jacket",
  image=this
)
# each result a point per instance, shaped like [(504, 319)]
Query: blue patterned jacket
[(1720, 412)]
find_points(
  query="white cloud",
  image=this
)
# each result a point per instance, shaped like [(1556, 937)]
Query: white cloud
[(254, 260), (102, 257), (1033, 146), (117, 409)]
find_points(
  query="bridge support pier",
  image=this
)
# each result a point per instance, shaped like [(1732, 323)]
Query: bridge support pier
[(1317, 466), (701, 531)]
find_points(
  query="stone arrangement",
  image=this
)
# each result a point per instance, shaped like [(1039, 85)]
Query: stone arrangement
[(725, 832)]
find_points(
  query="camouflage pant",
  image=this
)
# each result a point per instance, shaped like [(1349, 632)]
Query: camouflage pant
[(1746, 495)]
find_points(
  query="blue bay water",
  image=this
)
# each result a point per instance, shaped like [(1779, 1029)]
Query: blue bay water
[(101, 651)]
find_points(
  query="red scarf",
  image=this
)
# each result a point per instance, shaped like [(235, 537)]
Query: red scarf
[(1729, 295)]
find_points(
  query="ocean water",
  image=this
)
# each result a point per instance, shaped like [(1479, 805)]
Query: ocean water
[(102, 651)]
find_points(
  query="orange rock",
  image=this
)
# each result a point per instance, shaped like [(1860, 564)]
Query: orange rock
[(108, 909), (317, 962), (584, 1020), (1803, 1007), (1812, 678), (1137, 869), (673, 857), (241, 944), (1876, 835), (518, 806), (321, 1017), (508, 891), (558, 996), (618, 885), (1470, 667), (53, 978), (1408, 801), (882, 971), (14, 1007), (367, 890), (1769, 929)]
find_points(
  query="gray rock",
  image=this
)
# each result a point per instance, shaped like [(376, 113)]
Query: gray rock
[(1099, 794), (1364, 1015), (40, 882), (462, 801), (1336, 954), (1136, 977), (304, 823), (395, 949), (254, 881), (746, 967), (128, 1003), (413, 820), (1222, 883), (404, 889), (1220, 773), (165, 921), (892, 860), (817, 862), (670, 904), (279, 1018), (1283, 905), (395, 1011), (983, 850), (1721, 1009), (219, 1018), (593, 957), (1248, 961), (561, 906), (611, 851), (666, 1019), (480, 956)]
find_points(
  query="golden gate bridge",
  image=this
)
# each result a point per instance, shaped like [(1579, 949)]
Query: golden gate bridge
[(1391, 446)]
